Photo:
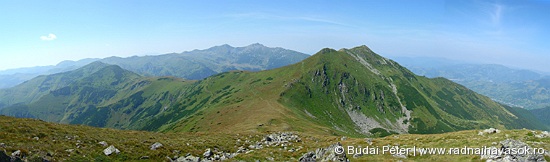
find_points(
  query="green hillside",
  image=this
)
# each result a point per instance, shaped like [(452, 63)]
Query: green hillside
[(38, 140), (515, 87), (35, 88), (352, 92), (542, 114)]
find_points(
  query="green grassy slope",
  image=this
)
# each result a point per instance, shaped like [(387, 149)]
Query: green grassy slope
[(352, 92), (516, 87), (61, 142), (35, 88), (338, 91), (542, 114)]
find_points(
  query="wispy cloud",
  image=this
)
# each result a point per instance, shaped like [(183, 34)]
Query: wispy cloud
[(49, 37), (321, 21), (266, 16), (496, 13)]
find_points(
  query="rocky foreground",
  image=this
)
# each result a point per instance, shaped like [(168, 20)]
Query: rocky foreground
[(33, 140)]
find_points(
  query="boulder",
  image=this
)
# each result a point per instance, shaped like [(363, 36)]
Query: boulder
[(110, 150), (103, 143), (515, 156), (189, 158), (16, 153), (156, 145), (489, 131), (308, 157), (241, 149), (543, 134), (207, 153), (324, 154), (276, 139)]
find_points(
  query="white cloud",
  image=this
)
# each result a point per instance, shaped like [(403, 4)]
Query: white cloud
[(267, 16), (49, 37), (496, 14)]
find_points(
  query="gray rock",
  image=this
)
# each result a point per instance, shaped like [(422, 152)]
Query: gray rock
[(144, 157), (258, 145), (156, 145), (2, 145), (189, 158), (16, 153), (36, 138), (491, 131), (543, 134), (308, 157), (207, 153), (276, 139), (511, 144), (103, 143), (241, 149), (490, 156), (324, 154), (343, 138), (110, 150)]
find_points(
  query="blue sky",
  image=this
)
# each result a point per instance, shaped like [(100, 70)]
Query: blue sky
[(45, 32)]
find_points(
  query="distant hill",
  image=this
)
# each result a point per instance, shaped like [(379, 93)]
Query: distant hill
[(199, 64), (515, 87), (13, 77), (352, 92), (542, 114), (196, 64), (32, 90)]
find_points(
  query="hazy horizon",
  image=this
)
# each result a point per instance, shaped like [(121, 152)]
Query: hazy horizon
[(510, 33)]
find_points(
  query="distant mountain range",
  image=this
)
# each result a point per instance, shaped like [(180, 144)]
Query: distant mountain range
[(515, 87), (352, 92), (196, 64), (12, 77), (543, 114)]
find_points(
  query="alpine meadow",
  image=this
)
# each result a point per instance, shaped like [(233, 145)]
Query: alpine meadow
[(441, 80)]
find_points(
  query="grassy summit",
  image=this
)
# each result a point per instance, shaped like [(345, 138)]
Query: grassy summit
[(60, 142)]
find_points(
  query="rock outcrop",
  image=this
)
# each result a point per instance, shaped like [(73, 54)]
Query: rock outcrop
[(156, 145), (510, 151), (489, 131), (324, 154), (110, 150)]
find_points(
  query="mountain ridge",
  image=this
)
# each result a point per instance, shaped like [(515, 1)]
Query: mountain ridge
[(353, 92), (514, 87), (196, 64)]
